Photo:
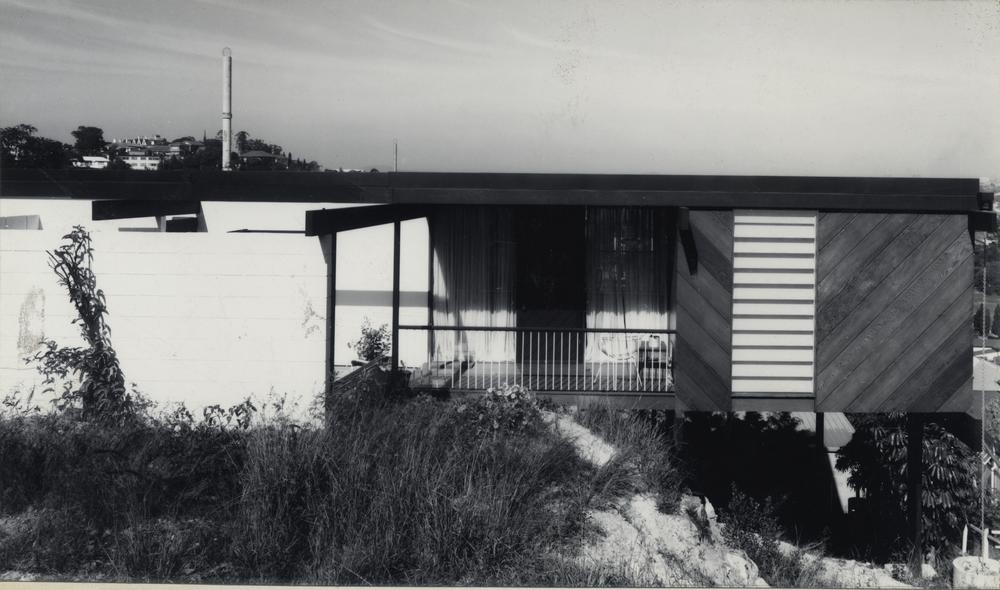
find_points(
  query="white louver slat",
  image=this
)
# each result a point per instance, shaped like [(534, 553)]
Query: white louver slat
[(774, 303)]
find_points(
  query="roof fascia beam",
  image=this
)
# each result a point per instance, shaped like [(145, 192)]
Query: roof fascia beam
[(328, 221), (129, 209)]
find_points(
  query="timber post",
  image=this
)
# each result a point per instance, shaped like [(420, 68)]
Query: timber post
[(329, 245), (914, 488), (395, 299)]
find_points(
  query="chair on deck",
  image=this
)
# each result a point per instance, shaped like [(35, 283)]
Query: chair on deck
[(654, 353), (619, 348)]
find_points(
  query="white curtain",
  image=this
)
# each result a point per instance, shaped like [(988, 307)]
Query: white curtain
[(474, 273), (628, 269)]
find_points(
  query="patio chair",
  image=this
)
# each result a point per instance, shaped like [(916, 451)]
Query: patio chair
[(619, 348), (654, 354)]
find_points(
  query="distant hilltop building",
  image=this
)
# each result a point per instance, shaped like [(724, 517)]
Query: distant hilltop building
[(140, 141), (146, 153), (97, 162)]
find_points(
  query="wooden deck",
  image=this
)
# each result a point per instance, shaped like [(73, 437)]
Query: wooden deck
[(576, 378)]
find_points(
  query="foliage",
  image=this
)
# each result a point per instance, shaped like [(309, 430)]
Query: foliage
[(991, 253), (374, 342), (101, 388), (117, 164), (504, 411), (992, 419), (20, 148), (392, 490), (979, 320), (876, 457), (995, 325), (752, 527), (89, 140)]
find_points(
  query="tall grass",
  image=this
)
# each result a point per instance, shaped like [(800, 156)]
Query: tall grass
[(401, 492), (645, 459)]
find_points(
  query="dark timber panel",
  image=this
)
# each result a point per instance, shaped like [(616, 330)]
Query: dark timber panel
[(703, 357), (894, 305)]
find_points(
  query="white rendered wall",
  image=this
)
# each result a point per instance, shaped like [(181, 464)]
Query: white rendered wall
[(211, 317)]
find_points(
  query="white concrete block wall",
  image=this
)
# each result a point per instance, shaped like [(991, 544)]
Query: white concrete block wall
[(210, 317)]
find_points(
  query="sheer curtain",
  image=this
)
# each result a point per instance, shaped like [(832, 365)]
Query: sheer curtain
[(474, 273), (628, 269)]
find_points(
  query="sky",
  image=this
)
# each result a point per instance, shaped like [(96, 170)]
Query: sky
[(753, 87)]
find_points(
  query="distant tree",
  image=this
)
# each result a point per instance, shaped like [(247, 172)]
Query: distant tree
[(995, 325), (171, 163), (20, 148), (89, 140), (241, 138), (979, 322), (185, 138), (118, 164)]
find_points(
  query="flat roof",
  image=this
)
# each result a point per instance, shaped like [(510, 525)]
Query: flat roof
[(423, 188)]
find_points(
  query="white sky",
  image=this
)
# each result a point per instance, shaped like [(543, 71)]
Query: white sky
[(753, 87)]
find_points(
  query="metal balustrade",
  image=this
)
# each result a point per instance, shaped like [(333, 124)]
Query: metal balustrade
[(542, 359)]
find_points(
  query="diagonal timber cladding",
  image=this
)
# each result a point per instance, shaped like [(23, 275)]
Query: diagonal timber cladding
[(703, 357), (894, 300)]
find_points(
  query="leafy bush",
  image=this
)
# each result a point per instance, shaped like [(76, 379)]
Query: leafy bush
[(507, 410), (374, 342), (753, 528), (876, 457)]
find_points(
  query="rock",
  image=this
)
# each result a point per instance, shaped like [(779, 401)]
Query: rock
[(975, 572), (927, 571), (16, 576)]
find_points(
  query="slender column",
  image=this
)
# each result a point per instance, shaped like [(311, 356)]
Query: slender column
[(329, 243), (914, 487), (227, 107), (430, 288), (395, 295)]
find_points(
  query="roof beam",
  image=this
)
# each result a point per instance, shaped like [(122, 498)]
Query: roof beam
[(328, 221), (126, 209)]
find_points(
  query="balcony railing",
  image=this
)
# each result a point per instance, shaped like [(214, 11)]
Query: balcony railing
[(554, 360)]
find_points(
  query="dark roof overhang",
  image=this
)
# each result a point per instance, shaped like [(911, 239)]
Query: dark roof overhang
[(943, 195)]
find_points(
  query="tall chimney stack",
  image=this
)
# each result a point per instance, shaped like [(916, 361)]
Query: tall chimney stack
[(227, 107)]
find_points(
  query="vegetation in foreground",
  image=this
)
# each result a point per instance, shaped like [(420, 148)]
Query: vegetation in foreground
[(392, 490)]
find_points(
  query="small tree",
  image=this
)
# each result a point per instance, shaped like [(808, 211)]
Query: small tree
[(995, 325), (374, 342), (101, 392)]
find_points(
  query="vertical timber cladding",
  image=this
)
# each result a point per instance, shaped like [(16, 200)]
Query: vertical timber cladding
[(894, 306), (774, 310), (703, 352)]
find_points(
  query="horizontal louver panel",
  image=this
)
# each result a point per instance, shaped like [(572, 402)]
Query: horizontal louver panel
[(774, 307)]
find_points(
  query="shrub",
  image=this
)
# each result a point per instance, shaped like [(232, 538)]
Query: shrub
[(753, 528), (374, 342)]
